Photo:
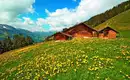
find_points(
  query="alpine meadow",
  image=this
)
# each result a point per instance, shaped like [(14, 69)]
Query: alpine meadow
[(95, 49)]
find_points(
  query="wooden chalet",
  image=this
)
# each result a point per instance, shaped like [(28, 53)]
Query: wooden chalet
[(78, 31), (108, 33)]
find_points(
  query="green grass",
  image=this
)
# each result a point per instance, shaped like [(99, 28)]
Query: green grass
[(125, 34), (78, 59), (120, 22)]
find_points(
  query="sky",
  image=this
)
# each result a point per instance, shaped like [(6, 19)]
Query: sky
[(51, 15)]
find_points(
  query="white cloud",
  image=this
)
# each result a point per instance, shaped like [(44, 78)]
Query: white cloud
[(28, 24), (65, 17), (40, 22), (28, 21), (11, 9)]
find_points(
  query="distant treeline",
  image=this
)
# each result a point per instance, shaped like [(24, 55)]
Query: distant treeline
[(16, 42), (98, 19)]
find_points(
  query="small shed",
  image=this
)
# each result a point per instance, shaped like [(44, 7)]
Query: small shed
[(62, 36), (108, 33)]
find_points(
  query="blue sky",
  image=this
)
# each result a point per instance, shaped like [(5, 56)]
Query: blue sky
[(51, 15), (51, 5)]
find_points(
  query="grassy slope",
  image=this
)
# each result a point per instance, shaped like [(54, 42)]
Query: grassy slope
[(120, 22), (77, 59)]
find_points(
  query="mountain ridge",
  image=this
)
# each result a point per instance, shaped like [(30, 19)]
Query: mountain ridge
[(7, 30), (100, 18)]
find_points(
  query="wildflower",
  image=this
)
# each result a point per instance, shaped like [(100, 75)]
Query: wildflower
[(75, 70), (47, 72)]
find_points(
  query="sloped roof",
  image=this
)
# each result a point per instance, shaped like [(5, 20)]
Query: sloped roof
[(66, 34), (62, 34), (77, 25), (107, 28)]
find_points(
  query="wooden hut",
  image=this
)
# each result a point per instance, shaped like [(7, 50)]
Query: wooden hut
[(108, 33), (62, 36), (81, 31)]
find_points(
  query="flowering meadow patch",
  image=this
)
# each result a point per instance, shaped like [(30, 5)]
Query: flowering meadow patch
[(78, 59)]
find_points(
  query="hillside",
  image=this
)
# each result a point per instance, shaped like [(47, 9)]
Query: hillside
[(78, 59), (100, 18), (120, 22)]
